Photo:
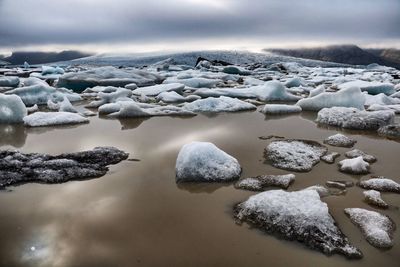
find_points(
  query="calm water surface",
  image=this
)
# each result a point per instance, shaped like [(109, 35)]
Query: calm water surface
[(137, 215)]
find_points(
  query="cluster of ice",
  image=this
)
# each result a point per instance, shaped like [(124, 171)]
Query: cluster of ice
[(260, 183), (158, 89), (373, 88), (9, 81), (381, 184), (354, 166), (39, 119), (18, 168), (204, 162), (373, 197), (321, 190), (352, 118), (107, 76), (350, 97), (36, 91), (377, 228), (299, 215), (111, 94), (330, 157), (12, 109), (340, 140), (390, 131), (174, 97), (278, 109), (357, 153), (294, 155), (220, 104)]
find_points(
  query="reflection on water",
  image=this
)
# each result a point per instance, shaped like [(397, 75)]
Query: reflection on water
[(138, 215), (12, 135)]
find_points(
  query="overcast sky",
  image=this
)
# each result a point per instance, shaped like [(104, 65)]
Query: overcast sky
[(144, 25)]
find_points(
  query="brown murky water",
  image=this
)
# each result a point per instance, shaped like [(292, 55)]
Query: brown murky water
[(136, 215)]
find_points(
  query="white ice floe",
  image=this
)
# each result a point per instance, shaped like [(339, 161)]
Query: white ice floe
[(204, 162), (381, 184), (321, 190), (319, 90), (220, 104), (196, 82), (158, 89), (295, 82), (340, 140), (377, 228), (170, 97), (373, 88), (380, 99), (276, 109), (354, 166), (38, 119), (352, 118), (39, 92), (9, 81), (330, 157), (299, 215), (259, 183), (373, 197), (12, 109), (111, 94), (46, 70), (350, 97), (356, 153), (294, 155)]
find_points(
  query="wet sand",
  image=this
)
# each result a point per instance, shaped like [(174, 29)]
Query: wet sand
[(137, 215)]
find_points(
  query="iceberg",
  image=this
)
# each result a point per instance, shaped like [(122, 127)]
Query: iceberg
[(279, 109), (12, 109), (373, 88), (9, 81), (220, 104), (158, 89), (39, 119)]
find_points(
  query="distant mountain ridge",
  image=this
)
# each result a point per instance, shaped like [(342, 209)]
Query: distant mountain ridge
[(18, 58), (346, 54)]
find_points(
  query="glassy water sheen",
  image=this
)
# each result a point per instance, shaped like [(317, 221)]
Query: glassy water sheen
[(137, 215)]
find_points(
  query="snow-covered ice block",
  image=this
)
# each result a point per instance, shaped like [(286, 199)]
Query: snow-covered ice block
[(380, 99), (299, 215), (350, 97), (259, 183), (295, 82), (373, 88), (39, 119), (352, 118), (319, 90), (273, 91), (196, 82), (381, 184), (12, 109), (377, 228), (390, 131), (354, 166), (356, 153), (373, 197), (340, 140), (294, 155), (277, 109), (158, 89), (204, 162), (220, 104), (111, 94), (330, 157)]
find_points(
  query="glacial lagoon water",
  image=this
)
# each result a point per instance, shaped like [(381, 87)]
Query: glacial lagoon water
[(137, 215)]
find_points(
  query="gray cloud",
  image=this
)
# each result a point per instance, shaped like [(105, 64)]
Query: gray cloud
[(41, 22)]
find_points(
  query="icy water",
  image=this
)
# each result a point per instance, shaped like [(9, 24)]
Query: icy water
[(137, 215)]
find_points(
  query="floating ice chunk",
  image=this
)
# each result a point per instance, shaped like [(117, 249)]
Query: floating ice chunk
[(236, 70), (66, 106), (350, 97), (107, 76), (158, 89), (259, 183), (390, 131), (354, 166), (39, 92), (294, 155), (197, 82), (356, 153), (111, 95), (170, 97), (51, 105), (38, 119), (274, 109), (129, 110), (46, 70), (204, 162), (319, 90), (274, 91), (352, 118), (32, 109), (380, 99), (295, 82), (330, 157), (377, 228), (320, 189), (373, 88), (373, 197), (377, 107), (299, 215), (340, 140), (381, 184), (131, 86), (220, 104), (12, 109), (9, 81), (252, 81)]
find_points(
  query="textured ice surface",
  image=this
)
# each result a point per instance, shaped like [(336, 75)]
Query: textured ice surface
[(356, 153), (352, 118), (204, 162), (259, 183), (340, 140), (172, 97), (350, 97), (381, 184), (9, 81), (220, 104), (330, 157), (354, 166), (299, 215), (17, 167), (390, 131), (373, 197), (196, 82), (39, 119), (377, 228), (294, 155), (12, 109), (373, 88), (111, 94), (158, 89), (277, 109), (380, 99)]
